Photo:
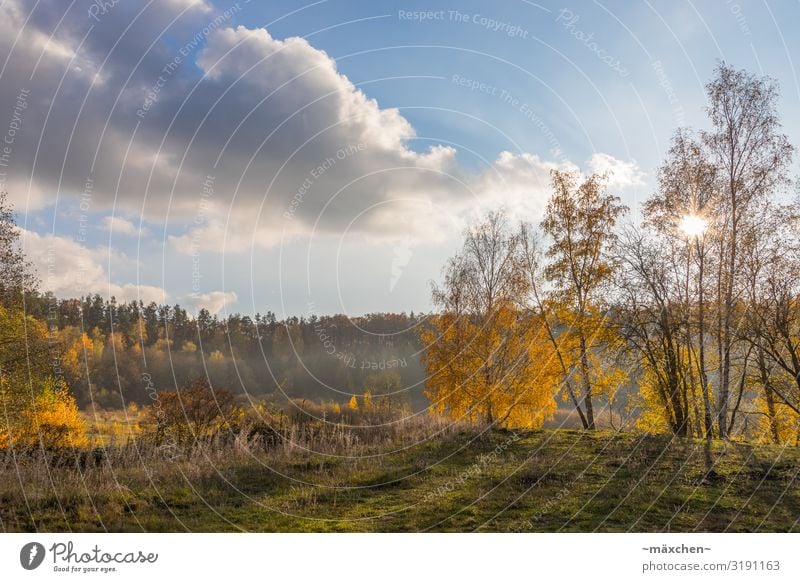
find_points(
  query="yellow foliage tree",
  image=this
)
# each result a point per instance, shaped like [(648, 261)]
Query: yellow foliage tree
[(487, 357), (52, 420), (79, 355), (353, 404), (501, 372), (580, 220), (25, 367), (777, 422)]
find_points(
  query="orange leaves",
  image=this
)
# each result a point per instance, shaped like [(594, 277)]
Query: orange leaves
[(52, 420), (498, 372), (353, 404)]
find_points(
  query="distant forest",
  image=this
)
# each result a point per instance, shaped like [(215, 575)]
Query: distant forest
[(112, 354)]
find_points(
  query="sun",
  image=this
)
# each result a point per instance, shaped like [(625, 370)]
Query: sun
[(693, 225)]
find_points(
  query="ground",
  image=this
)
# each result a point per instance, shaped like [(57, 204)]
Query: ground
[(550, 480)]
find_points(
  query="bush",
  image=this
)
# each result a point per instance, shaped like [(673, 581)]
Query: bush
[(195, 410), (51, 420)]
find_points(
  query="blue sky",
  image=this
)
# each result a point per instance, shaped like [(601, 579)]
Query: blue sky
[(474, 103)]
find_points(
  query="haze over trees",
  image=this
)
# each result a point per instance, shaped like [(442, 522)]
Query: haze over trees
[(106, 347)]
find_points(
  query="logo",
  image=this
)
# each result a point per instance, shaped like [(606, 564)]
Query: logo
[(31, 555)]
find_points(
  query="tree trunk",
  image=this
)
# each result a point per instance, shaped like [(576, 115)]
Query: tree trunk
[(587, 384), (725, 363), (769, 397), (707, 414), (563, 364)]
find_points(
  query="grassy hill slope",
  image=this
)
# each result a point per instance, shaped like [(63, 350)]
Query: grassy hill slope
[(550, 480)]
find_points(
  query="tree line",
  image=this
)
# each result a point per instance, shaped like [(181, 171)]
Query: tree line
[(60, 355), (105, 348)]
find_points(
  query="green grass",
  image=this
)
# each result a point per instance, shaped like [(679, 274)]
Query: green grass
[(551, 480)]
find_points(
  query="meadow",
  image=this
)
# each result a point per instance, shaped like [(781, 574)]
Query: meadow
[(418, 474)]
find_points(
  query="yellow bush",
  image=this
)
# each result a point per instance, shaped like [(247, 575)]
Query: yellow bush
[(52, 419), (787, 423)]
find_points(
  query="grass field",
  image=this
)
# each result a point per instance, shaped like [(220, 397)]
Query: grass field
[(465, 480)]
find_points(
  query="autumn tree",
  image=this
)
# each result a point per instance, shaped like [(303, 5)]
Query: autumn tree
[(652, 319), (485, 355), (52, 419), (193, 411), (387, 392), (681, 218), (773, 327), (17, 277), (580, 222), (752, 155), (79, 355), (37, 406)]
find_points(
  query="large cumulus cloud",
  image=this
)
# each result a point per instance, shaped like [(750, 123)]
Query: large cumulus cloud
[(233, 138)]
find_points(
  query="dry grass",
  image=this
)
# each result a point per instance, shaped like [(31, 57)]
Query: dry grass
[(413, 475), (129, 470)]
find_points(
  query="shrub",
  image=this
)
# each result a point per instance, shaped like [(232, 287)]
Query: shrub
[(195, 410), (50, 420)]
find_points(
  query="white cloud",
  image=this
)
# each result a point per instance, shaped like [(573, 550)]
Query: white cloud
[(69, 269), (200, 5), (133, 292), (621, 174), (518, 183), (214, 301), (297, 150), (119, 225)]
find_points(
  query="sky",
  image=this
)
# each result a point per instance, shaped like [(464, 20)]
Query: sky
[(325, 157)]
